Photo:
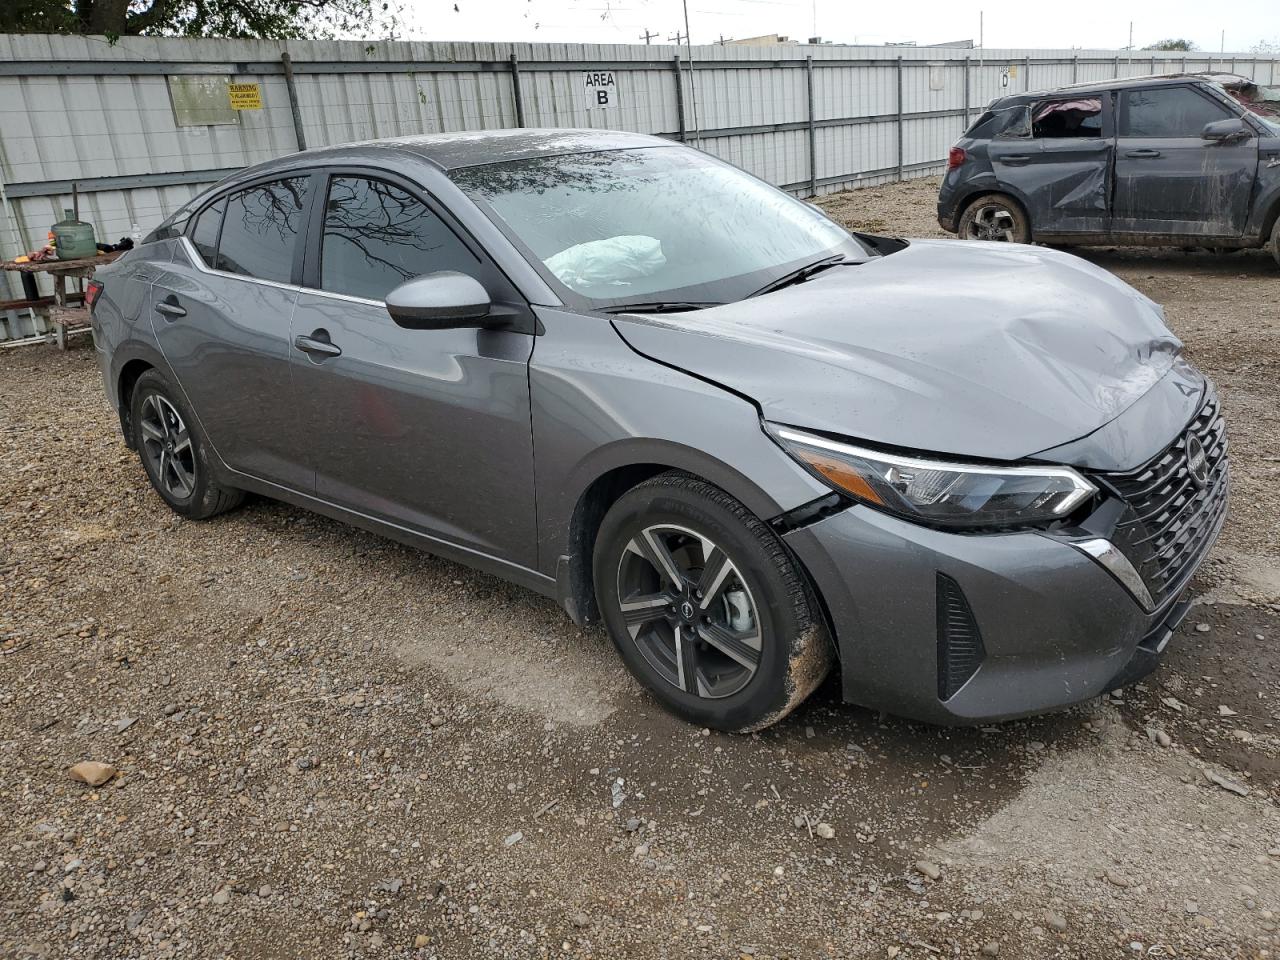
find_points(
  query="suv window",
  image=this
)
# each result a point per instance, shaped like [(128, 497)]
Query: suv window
[(203, 232), (1068, 118), (260, 232), (1167, 112), (377, 236)]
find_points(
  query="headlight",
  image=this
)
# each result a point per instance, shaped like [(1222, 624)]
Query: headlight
[(952, 494)]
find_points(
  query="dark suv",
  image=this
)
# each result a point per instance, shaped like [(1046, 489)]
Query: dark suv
[(1150, 161)]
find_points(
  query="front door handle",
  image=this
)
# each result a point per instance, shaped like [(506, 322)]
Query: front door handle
[(318, 345), (170, 308), (1145, 154)]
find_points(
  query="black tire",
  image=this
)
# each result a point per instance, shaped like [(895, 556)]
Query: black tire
[(994, 216), (174, 451), (792, 650), (1275, 240)]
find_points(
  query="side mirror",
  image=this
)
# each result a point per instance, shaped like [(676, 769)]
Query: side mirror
[(1233, 129), (439, 301)]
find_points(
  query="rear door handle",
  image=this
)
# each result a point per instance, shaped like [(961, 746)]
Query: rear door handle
[(1016, 158), (1145, 154), (318, 345), (170, 307)]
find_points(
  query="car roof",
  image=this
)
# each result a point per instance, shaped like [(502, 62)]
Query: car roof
[(1122, 83), (467, 148)]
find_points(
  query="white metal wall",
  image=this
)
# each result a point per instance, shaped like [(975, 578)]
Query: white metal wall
[(80, 109)]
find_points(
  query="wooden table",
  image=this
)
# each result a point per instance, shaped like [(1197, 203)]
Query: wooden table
[(64, 317)]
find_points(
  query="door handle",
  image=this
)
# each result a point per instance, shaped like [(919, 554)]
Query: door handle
[(1015, 158), (1145, 154), (318, 345), (170, 308)]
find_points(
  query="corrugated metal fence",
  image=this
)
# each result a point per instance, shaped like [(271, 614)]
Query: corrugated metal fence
[(811, 119)]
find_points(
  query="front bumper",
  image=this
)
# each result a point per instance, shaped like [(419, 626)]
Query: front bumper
[(1055, 627)]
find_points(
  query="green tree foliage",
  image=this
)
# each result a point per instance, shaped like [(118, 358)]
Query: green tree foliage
[(264, 19), (1172, 44)]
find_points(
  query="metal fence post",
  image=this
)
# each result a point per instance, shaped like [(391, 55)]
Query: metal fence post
[(516, 93), (900, 118), (813, 134), (287, 61), (675, 62)]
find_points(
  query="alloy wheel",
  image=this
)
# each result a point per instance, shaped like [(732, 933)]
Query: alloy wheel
[(689, 611), (166, 443), (992, 221)]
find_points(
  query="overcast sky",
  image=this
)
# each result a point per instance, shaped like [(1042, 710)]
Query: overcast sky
[(1090, 24)]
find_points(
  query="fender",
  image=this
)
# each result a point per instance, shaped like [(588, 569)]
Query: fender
[(1266, 203)]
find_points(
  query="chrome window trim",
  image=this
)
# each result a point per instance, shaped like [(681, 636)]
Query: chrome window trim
[(198, 260), (342, 296)]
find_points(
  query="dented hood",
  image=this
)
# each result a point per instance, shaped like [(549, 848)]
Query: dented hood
[(996, 351)]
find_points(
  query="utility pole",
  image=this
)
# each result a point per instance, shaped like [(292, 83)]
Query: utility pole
[(647, 37), (679, 38), (693, 84), (1222, 48)]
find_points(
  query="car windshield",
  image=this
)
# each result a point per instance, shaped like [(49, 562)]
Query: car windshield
[(654, 225)]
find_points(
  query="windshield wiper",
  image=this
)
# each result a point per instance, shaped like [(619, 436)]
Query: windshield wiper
[(803, 273), (661, 306)]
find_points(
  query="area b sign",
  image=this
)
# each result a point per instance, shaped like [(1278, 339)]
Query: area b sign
[(601, 88)]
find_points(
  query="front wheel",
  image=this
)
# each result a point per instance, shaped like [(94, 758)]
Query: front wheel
[(1275, 241), (994, 217), (706, 606)]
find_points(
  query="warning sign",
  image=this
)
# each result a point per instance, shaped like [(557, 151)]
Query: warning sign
[(602, 89), (245, 96)]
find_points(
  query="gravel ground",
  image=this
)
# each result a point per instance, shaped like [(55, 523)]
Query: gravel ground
[(327, 745)]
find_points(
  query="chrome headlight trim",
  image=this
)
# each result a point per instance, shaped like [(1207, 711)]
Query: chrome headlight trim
[(1108, 555)]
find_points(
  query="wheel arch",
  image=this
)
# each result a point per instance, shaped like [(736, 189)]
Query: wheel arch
[(611, 473), (130, 366)]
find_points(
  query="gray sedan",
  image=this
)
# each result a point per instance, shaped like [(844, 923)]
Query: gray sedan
[(978, 478)]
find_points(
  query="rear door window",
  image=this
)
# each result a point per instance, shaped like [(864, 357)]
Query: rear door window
[(260, 232), (377, 236), (1167, 112), (203, 232), (1067, 118)]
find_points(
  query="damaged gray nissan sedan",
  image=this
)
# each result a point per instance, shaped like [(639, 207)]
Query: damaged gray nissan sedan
[(975, 477)]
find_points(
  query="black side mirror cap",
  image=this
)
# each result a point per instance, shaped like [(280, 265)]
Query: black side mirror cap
[(1220, 130), (445, 300)]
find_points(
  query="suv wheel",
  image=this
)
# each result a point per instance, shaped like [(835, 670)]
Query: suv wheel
[(174, 452), (1275, 240), (994, 217), (706, 606)]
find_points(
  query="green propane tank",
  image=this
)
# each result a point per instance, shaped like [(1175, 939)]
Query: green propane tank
[(74, 238)]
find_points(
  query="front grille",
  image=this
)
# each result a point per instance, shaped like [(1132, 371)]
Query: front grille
[(1171, 519), (960, 648)]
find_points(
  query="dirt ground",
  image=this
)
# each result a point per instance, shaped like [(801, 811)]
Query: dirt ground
[(332, 746)]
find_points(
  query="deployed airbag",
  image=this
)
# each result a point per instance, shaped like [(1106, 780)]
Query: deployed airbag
[(614, 261)]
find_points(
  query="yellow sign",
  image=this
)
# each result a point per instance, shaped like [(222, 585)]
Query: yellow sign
[(245, 96)]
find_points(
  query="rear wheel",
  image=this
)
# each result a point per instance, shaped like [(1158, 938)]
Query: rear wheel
[(994, 217), (1275, 240), (174, 452), (706, 606)]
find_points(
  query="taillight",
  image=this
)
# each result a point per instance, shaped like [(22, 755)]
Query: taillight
[(956, 157), (92, 290)]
